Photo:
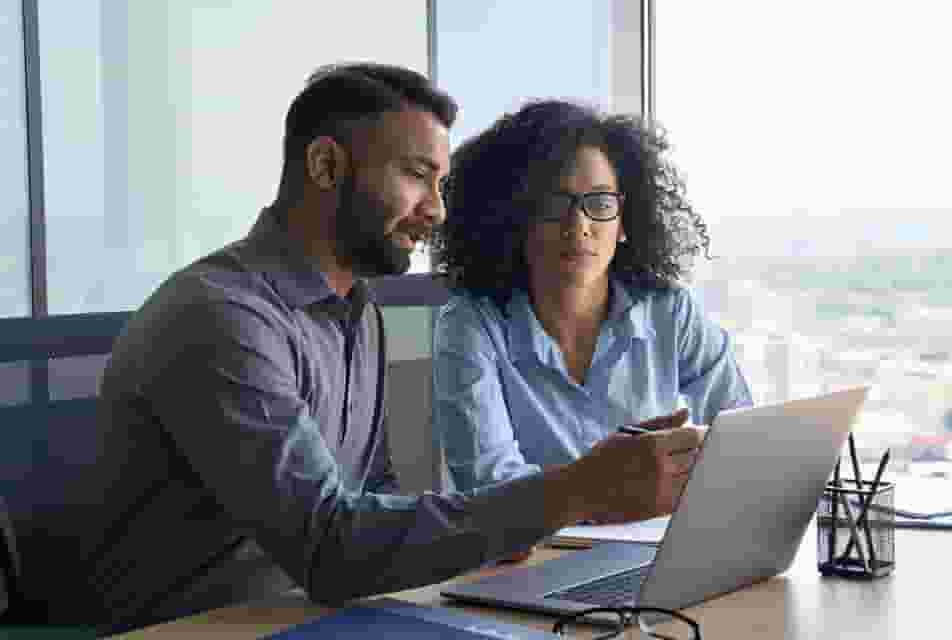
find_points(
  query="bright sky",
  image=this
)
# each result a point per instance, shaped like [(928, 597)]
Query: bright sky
[(812, 105), (493, 55)]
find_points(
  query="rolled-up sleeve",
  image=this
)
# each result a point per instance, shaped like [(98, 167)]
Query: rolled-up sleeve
[(709, 377), (228, 395), (470, 416)]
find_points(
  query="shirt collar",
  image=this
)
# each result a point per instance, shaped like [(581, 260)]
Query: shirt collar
[(623, 306), (527, 337), (269, 249), (626, 319)]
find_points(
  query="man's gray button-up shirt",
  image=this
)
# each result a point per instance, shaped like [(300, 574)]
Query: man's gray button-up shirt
[(224, 429)]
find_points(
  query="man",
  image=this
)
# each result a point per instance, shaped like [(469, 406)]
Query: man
[(243, 404)]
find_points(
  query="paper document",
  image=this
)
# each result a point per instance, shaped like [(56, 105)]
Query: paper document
[(923, 498), (919, 503), (577, 536)]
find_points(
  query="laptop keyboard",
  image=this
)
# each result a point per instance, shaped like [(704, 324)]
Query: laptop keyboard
[(615, 590)]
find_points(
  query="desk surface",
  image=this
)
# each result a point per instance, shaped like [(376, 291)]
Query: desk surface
[(797, 604)]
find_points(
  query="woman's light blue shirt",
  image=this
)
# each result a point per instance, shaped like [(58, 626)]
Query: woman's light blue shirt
[(504, 404)]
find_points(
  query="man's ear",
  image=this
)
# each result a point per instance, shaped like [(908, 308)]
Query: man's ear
[(326, 162)]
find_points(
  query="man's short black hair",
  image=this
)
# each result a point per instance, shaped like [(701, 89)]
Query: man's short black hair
[(337, 96)]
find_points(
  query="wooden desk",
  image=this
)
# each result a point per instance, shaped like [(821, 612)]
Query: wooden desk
[(800, 604)]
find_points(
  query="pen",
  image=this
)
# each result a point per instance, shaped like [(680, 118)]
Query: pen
[(863, 519), (661, 422), (633, 430), (637, 431)]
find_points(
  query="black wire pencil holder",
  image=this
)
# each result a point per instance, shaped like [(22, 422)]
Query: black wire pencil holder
[(856, 529)]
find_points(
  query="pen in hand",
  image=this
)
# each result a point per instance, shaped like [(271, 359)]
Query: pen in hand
[(633, 430), (657, 424), (661, 422)]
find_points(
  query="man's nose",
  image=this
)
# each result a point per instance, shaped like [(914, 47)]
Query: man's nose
[(433, 208)]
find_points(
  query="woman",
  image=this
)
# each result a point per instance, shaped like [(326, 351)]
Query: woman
[(566, 235)]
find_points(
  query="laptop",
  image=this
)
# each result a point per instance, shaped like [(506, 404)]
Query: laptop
[(754, 488)]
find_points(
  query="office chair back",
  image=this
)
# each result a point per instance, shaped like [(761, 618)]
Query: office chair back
[(49, 378), (10, 593), (417, 455)]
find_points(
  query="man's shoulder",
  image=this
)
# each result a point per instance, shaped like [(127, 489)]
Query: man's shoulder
[(228, 275), (216, 293)]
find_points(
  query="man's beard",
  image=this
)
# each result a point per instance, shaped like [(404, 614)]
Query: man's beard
[(363, 245)]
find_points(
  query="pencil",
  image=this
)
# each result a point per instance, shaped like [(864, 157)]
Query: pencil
[(863, 519), (854, 535), (831, 538), (876, 480), (864, 515), (857, 475)]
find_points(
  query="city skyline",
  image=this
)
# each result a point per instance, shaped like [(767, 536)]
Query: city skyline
[(850, 232)]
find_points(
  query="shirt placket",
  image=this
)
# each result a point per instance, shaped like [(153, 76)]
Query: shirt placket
[(349, 331), (608, 351)]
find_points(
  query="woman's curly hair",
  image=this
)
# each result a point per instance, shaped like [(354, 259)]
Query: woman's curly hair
[(495, 174)]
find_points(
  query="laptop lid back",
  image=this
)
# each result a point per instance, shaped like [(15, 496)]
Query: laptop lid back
[(752, 492)]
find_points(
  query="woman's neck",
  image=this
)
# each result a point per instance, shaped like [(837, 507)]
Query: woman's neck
[(572, 315)]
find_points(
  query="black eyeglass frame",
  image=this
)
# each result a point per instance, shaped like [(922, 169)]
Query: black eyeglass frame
[(577, 201), (625, 617)]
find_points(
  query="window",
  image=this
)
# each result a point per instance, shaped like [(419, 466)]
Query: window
[(813, 138), (162, 125), (493, 56), (14, 212)]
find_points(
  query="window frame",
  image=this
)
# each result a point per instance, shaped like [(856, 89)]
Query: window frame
[(416, 289), (34, 159), (632, 92)]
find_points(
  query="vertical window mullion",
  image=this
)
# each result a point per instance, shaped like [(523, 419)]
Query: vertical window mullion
[(648, 59), (34, 159), (39, 369)]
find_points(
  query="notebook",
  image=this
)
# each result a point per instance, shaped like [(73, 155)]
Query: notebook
[(399, 620), (756, 484)]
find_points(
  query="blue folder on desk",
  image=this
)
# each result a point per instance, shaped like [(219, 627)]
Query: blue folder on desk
[(395, 619), (939, 521)]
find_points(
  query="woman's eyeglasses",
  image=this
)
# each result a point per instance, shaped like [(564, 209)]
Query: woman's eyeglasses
[(631, 622), (600, 206)]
